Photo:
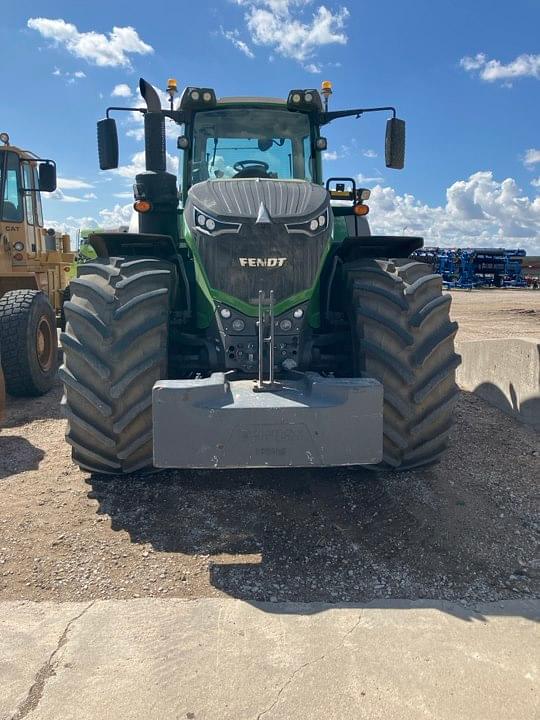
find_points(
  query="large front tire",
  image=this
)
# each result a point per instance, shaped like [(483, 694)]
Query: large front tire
[(402, 336), (29, 342), (115, 349)]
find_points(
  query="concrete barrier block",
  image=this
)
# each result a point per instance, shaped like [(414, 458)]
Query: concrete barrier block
[(506, 373)]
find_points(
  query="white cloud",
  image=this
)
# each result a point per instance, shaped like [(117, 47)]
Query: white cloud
[(536, 182), (360, 178), (119, 215), (123, 195), (369, 153), (137, 165), (532, 157), (71, 225), (330, 155), (121, 90), (72, 184), (525, 65), (71, 77), (313, 68), (234, 37), (473, 63), (60, 195), (96, 48), (479, 211), (90, 196), (279, 24)]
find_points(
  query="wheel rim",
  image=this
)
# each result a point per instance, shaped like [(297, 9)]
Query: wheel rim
[(44, 345)]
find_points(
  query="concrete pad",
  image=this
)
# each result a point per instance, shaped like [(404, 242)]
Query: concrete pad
[(29, 635), (224, 659), (506, 373)]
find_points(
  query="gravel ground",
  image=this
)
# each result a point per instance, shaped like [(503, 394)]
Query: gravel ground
[(465, 530)]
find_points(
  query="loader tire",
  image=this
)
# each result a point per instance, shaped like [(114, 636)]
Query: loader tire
[(115, 349), (2, 392), (29, 342), (402, 336)]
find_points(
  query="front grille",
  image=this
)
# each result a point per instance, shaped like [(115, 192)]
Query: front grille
[(261, 257)]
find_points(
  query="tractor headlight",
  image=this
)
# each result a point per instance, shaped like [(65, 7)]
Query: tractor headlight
[(304, 100), (310, 227), (194, 98), (211, 226)]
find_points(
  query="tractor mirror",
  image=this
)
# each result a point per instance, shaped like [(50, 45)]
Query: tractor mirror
[(394, 147), (107, 144), (47, 177)]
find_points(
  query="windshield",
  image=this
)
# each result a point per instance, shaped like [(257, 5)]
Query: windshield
[(251, 142), (11, 208)]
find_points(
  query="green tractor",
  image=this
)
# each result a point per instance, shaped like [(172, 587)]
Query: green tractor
[(253, 320)]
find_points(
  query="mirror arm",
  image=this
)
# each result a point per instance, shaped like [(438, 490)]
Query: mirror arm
[(327, 117), (124, 109), (178, 116)]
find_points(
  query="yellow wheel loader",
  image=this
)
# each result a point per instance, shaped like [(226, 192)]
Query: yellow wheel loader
[(34, 272)]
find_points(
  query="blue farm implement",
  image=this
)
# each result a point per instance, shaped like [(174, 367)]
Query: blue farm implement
[(468, 268)]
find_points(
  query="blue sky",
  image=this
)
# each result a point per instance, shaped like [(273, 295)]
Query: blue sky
[(465, 76)]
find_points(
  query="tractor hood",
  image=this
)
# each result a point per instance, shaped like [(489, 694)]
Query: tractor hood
[(259, 234), (242, 198)]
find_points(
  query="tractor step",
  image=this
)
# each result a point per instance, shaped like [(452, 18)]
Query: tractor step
[(310, 421)]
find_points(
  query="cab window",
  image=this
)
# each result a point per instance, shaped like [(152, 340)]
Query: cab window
[(251, 142), (11, 208)]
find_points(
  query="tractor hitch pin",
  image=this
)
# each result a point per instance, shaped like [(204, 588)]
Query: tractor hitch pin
[(270, 340), (261, 341)]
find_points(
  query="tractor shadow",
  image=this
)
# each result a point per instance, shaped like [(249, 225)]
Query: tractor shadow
[(349, 535)]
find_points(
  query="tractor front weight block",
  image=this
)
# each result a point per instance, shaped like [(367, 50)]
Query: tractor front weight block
[(310, 421)]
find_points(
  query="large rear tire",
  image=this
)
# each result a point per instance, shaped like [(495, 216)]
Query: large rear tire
[(402, 336), (29, 342), (115, 349)]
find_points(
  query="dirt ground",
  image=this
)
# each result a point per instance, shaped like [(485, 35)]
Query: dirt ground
[(466, 529), (496, 313)]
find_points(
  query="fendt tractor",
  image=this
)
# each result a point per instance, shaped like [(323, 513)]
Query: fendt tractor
[(34, 272), (252, 320)]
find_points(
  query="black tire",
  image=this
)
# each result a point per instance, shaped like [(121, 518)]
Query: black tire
[(115, 349), (403, 337), (2, 392), (29, 342), (66, 295)]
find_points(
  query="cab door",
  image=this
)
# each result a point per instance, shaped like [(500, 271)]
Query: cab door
[(33, 222)]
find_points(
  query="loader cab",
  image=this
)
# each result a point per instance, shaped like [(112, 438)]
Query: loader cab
[(21, 214)]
